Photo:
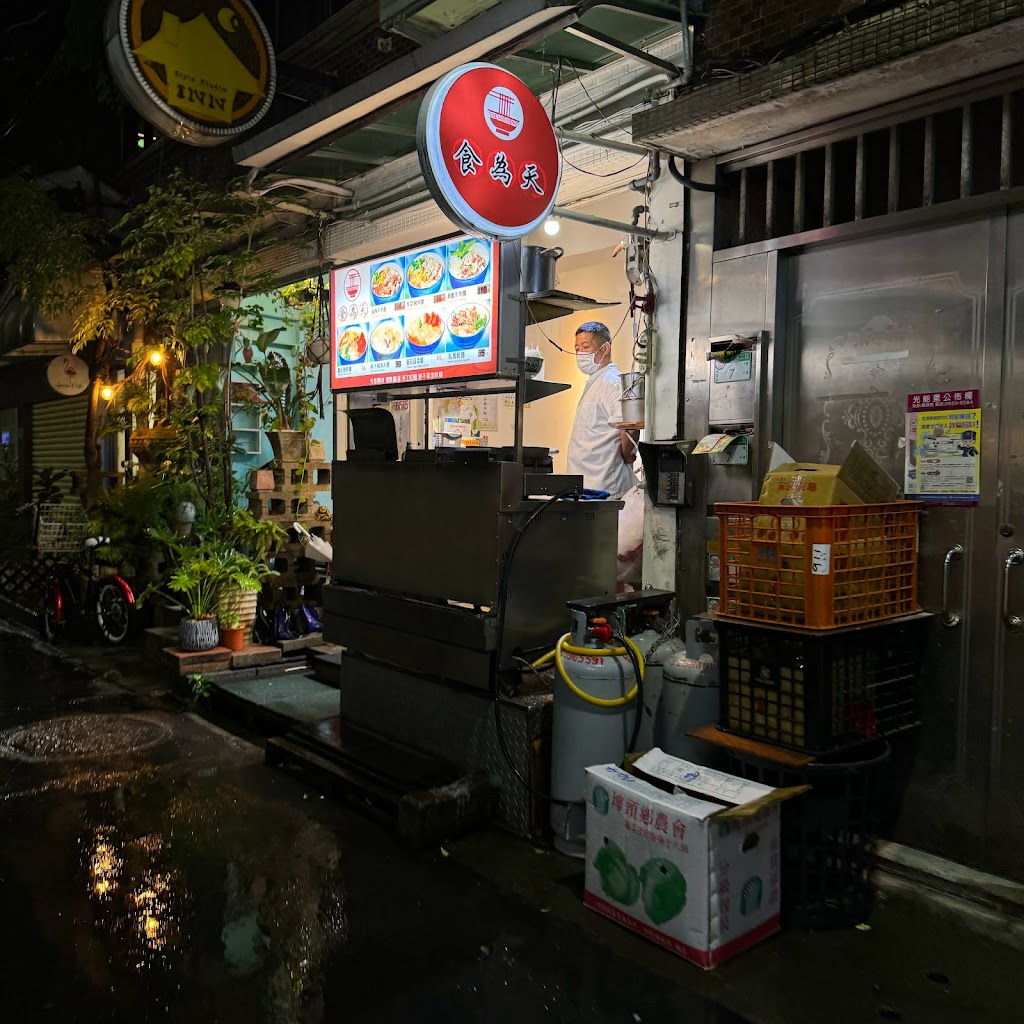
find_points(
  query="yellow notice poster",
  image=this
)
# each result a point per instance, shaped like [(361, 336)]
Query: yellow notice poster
[(943, 455)]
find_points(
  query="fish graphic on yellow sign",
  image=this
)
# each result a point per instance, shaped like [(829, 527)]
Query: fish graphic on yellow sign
[(203, 76)]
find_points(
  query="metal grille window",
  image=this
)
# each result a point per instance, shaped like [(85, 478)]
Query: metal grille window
[(972, 149)]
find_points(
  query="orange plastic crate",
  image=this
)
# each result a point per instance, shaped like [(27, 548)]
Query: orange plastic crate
[(818, 567)]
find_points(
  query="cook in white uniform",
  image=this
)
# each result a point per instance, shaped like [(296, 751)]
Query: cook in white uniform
[(600, 453)]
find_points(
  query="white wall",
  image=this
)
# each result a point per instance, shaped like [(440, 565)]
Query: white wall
[(598, 276), (588, 269)]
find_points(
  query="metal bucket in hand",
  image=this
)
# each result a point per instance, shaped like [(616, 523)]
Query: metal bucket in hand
[(633, 393)]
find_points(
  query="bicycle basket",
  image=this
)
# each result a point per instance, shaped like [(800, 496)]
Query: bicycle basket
[(62, 529)]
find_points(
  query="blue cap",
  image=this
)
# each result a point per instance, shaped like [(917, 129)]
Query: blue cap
[(595, 327)]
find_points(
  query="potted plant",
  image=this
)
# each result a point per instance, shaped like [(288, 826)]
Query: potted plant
[(232, 635), (209, 574), (282, 394), (242, 531), (241, 578), (197, 580)]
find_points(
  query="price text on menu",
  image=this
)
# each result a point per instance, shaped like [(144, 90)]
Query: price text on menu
[(422, 315)]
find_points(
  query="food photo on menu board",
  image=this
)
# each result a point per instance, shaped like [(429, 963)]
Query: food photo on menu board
[(425, 314)]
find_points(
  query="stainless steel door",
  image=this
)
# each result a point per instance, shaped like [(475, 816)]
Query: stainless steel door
[(1006, 802), (868, 322)]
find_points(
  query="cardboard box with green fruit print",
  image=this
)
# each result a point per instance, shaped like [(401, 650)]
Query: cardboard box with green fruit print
[(684, 855)]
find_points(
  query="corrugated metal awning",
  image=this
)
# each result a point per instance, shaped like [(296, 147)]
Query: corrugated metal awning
[(373, 122)]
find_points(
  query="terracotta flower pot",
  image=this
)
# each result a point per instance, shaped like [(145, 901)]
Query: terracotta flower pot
[(198, 634), (289, 445), (232, 639)]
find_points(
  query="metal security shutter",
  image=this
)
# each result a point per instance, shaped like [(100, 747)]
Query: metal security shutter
[(58, 435)]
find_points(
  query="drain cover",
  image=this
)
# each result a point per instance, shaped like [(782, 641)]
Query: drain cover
[(80, 736)]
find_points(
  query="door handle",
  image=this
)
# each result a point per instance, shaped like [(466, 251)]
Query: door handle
[(1012, 622), (954, 554)]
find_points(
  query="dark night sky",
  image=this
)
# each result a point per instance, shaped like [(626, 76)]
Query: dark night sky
[(58, 106)]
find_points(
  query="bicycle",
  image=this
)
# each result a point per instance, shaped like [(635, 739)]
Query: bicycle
[(73, 592)]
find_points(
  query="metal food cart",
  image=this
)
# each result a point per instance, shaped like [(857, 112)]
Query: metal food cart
[(453, 566)]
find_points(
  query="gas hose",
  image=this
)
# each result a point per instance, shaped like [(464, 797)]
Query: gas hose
[(593, 652)]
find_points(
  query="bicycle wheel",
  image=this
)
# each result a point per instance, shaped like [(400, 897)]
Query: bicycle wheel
[(112, 612), (50, 626)]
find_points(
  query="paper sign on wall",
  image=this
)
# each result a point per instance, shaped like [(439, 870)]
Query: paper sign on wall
[(943, 453), (468, 417), (712, 444)]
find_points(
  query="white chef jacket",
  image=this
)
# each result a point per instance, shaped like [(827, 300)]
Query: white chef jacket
[(595, 449)]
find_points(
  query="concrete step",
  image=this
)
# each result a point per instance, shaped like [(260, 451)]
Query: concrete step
[(155, 639), (325, 661), (300, 643), (255, 655), (186, 663), (403, 787), (983, 903)]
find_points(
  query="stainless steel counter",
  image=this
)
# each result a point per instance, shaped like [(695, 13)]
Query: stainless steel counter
[(419, 550)]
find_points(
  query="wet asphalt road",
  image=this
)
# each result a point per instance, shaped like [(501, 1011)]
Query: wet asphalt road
[(152, 868)]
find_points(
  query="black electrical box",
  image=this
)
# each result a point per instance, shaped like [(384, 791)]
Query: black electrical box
[(665, 472)]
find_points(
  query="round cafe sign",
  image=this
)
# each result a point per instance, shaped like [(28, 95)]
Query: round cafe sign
[(488, 151), (201, 71), (68, 375)]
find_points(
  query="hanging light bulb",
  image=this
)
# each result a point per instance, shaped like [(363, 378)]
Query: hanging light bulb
[(106, 392), (156, 357), (552, 226)]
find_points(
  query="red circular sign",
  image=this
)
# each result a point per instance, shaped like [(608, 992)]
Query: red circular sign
[(352, 283), (488, 151)]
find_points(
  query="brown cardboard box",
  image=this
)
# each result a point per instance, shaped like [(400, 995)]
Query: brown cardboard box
[(858, 481)]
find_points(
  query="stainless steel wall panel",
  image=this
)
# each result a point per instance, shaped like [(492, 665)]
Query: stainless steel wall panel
[(869, 322), (427, 530), (432, 540), (692, 547), (740, 305), (1006, 801)]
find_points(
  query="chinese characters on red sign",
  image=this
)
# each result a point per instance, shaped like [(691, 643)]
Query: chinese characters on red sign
[(488, 151)]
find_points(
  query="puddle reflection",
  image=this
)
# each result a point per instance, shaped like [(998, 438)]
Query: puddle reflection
[(202, 899)]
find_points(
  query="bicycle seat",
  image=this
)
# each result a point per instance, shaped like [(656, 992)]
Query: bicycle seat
[(95, 542)]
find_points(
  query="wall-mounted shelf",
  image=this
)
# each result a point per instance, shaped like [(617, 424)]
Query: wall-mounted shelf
[(533, 390), (551, 305)]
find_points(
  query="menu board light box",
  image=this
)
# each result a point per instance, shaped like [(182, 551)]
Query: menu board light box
[(421, 316)]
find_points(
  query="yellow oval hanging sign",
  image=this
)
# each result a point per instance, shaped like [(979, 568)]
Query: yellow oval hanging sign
[(202, 71)]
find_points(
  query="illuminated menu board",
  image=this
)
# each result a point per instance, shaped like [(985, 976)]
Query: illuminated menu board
[(424, 315)]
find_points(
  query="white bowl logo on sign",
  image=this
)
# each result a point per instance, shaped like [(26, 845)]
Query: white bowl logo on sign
[(503, 113), (353, 283)]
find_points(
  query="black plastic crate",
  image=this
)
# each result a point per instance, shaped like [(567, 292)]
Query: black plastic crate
[(828, 834), (819, 692)]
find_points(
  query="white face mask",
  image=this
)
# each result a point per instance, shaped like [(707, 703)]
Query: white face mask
[(587, 362)]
